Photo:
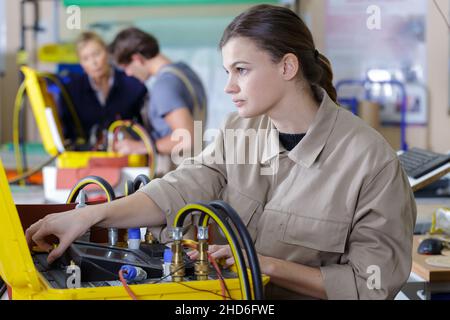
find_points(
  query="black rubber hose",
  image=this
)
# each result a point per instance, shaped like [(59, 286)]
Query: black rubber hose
[(233, 237), (140, 180), (87, 181), (129, 188), (32, 171), (248, 245), (2, 287), (22, 133)]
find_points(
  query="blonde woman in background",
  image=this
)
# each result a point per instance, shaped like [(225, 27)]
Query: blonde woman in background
[(102, 93)]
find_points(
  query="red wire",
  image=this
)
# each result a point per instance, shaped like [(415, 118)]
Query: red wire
[(219, 273), (9, 292), (125, 285)]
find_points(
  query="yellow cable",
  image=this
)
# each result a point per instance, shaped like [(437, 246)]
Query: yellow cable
[(112, 127), (69, 103), (198, 207), (33, 171), (205, 223), (16, 118), (127, 188), (84, 183), (140, 131), (16, 115)]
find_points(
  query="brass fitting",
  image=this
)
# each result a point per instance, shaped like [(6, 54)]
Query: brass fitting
[(149, 237), (202, 266), (177, 266)]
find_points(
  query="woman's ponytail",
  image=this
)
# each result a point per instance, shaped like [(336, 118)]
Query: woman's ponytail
[(326, 80)]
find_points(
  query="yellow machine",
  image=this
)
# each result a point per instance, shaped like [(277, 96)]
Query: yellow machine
[(19, 272), (27, 280), (45, 113), (58, 53)]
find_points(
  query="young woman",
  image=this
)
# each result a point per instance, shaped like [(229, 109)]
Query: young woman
[(330, 210), (102, 94)]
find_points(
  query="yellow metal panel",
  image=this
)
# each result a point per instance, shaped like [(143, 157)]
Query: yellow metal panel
[(58, 53), (40, 101), (191, 290), (16, 266)]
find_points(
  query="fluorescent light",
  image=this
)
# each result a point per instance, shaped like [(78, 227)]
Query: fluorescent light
[(379, 75)]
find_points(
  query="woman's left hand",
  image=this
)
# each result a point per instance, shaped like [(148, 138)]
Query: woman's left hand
[(216, 252), (224, 252), (302, 279)]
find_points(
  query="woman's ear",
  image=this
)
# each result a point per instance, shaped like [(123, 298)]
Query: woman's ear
[(290, 65), (137, 57)]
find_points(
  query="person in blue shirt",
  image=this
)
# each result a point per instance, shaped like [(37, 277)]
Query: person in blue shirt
[(102, 94), (177, 95)]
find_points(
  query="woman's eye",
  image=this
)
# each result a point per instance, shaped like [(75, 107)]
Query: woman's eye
[(241, 71)]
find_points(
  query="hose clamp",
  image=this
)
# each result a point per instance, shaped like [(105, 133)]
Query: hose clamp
[(177, 234), (202, 233)]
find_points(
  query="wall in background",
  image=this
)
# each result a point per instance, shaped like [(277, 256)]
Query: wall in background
[(2, 55), (438, 77), (436, 136), (9, 80), (2, 36)]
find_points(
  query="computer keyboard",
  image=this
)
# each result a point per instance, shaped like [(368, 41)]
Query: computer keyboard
[(418, 162)]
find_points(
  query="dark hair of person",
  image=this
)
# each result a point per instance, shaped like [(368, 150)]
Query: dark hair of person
[(280, 31), (132, 41)]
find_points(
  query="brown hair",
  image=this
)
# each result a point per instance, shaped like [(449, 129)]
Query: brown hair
[(89, 36), (131, 41), (279, 31)]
